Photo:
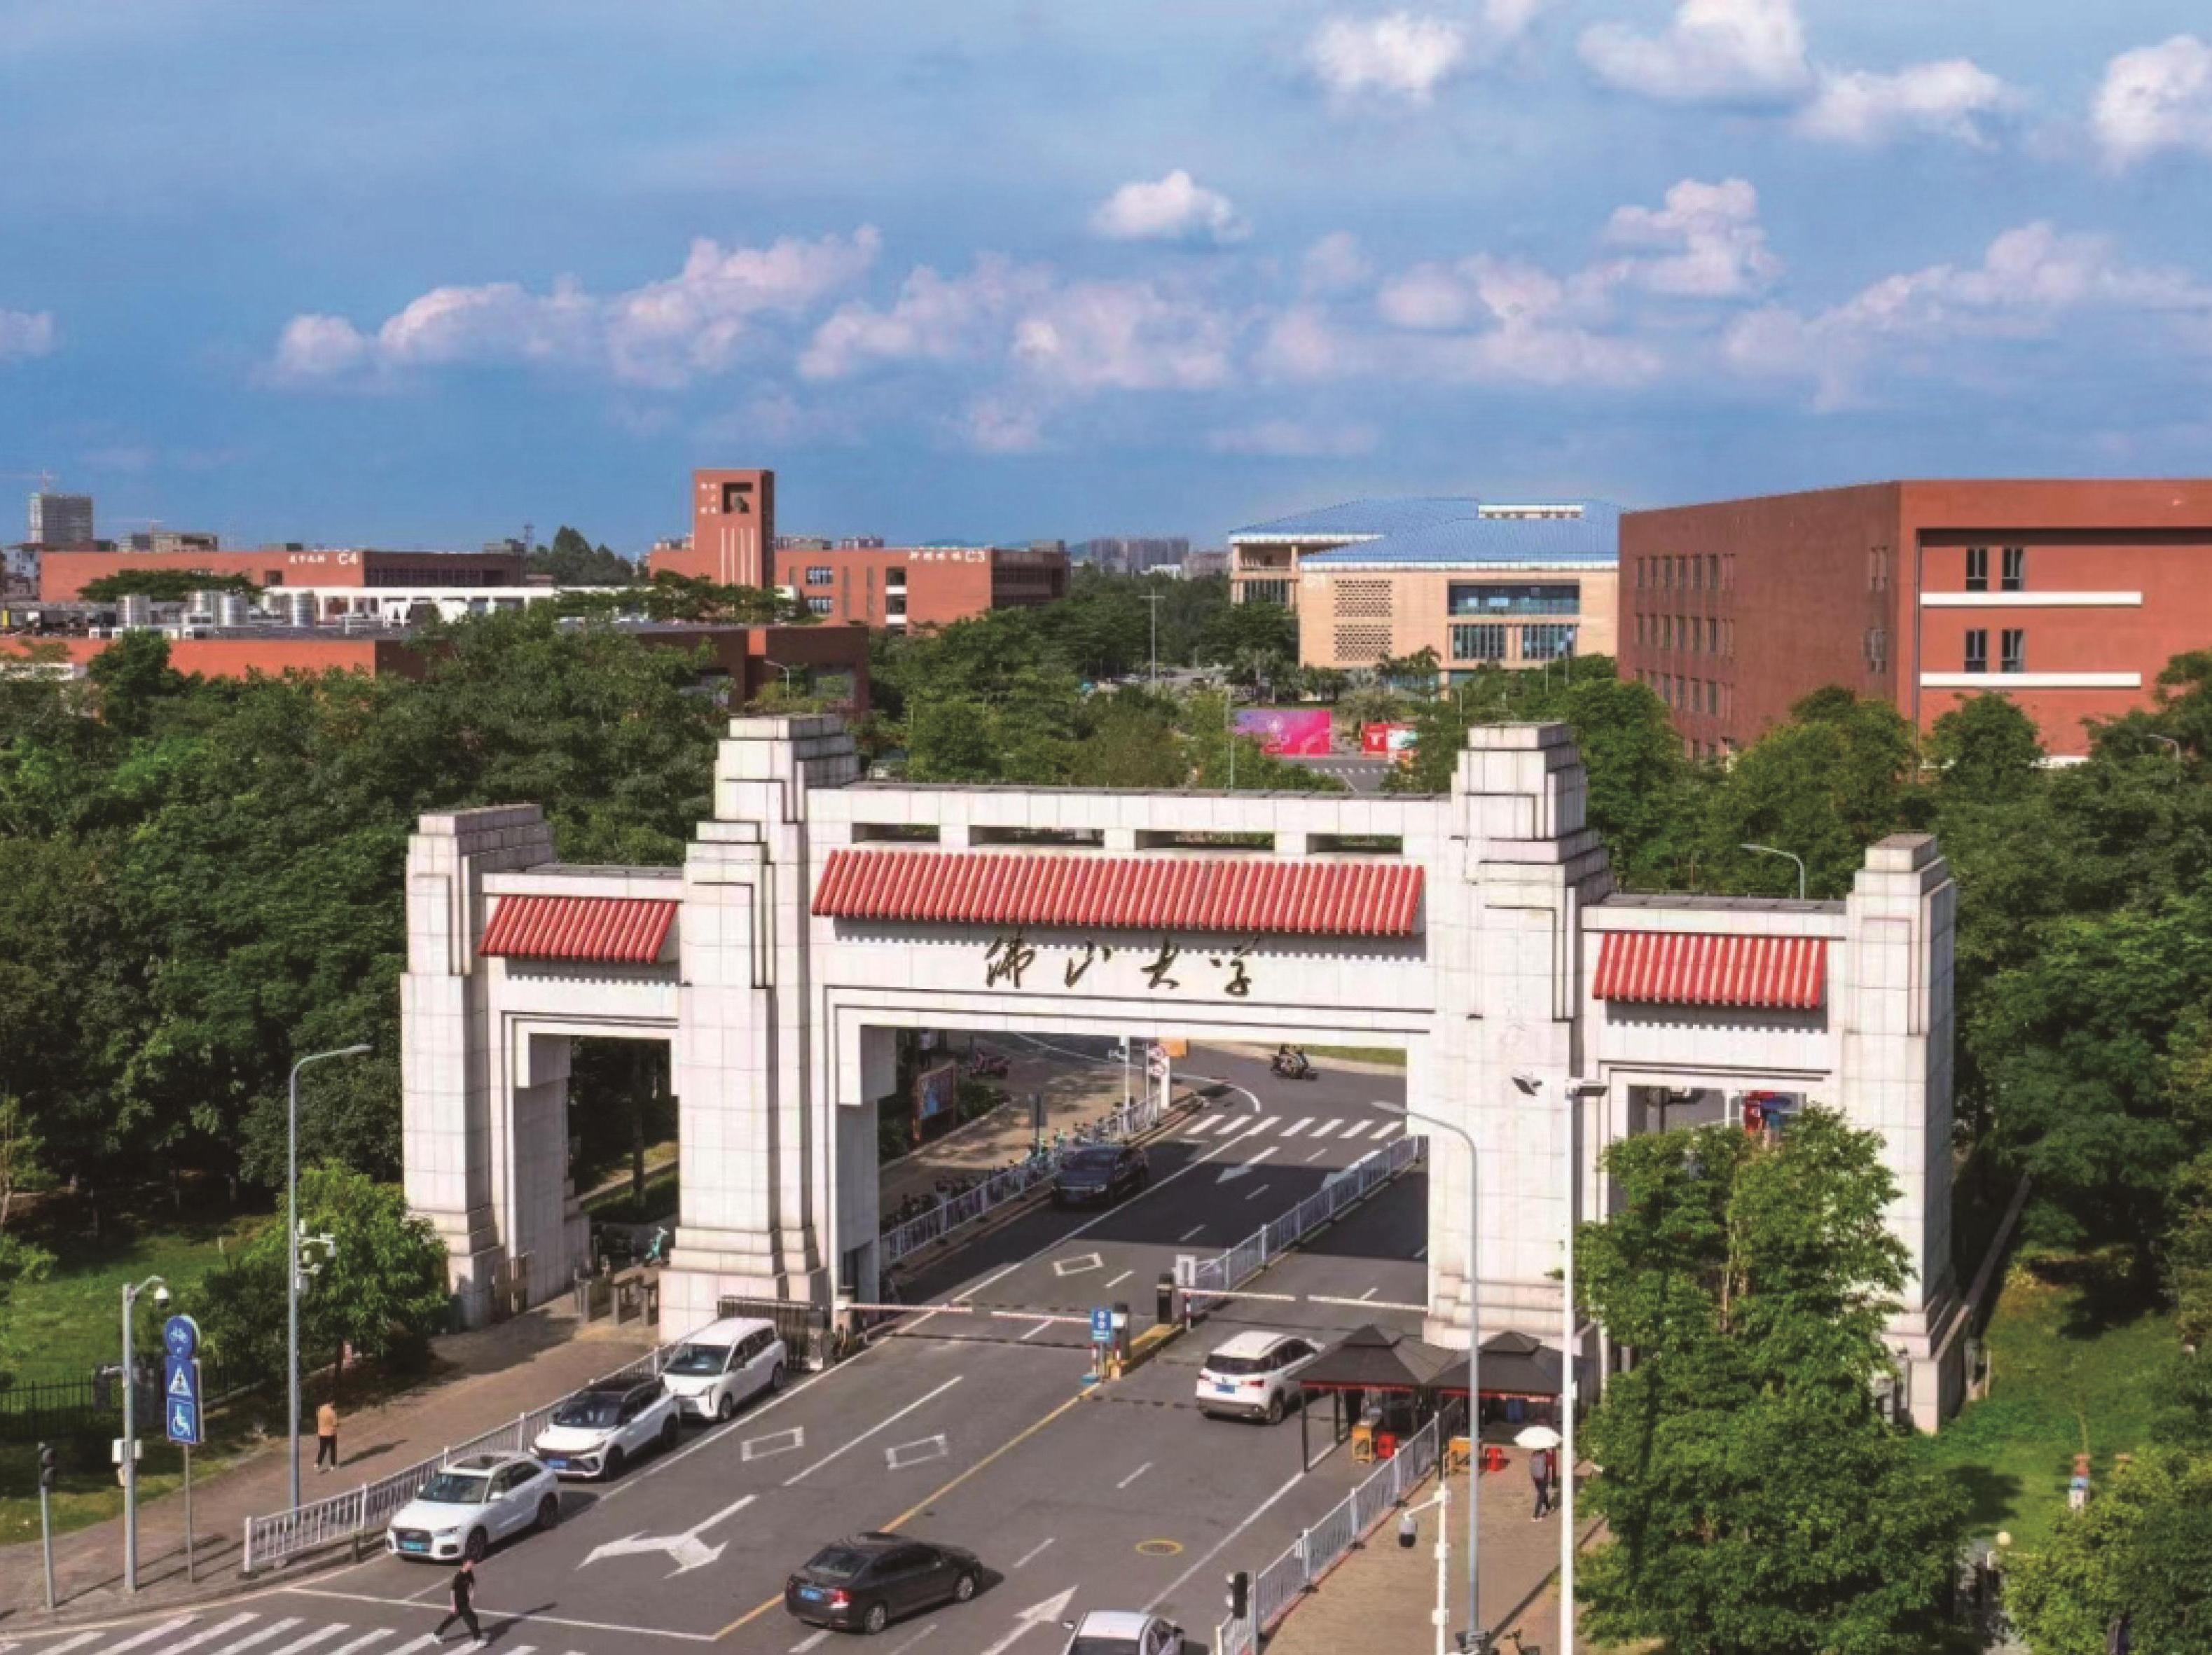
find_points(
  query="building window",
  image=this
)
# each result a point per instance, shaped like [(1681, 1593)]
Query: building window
[(1713, 570), (1977, 568), (1977, 650), (1563, 597), (1877, 648), (2016, 568), (1478, 642), (1267, 592), (1712, 695), (819, 605), (1643, 572), (818, 574), (1712, 638), (1546, 643), (2014, 644)]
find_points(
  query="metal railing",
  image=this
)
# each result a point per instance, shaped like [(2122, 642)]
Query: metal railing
[(1226, 1271), (343, 1518), (1298, 1569)]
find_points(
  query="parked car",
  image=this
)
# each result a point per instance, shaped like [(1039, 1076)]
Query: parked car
[(473, 1503), (594, 1432), (1122, 1632), (864, 1584), (724, 1365), (1255, 1375), (1100, 1173)]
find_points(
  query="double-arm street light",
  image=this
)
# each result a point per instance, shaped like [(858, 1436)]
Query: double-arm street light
[(130, 1293), (291, 1250)]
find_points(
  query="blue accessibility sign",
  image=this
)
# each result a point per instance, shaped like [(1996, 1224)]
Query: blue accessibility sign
[(181, 1399), (1102, 1325)]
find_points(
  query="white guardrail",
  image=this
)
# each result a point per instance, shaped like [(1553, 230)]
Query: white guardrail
[(345, 1518), (1200, 1278), (1277, 1588)]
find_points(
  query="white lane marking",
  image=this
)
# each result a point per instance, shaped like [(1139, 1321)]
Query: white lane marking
[(486, 1612), (1421, 1252), (361, 1642), (775, 1443), (686, 1551), (1298, 1127), (806, 1643), (1034, 1552), (277, 1629), (1370, 1294), (1033, 1332), (916, 1639), (331, 1629), (1326, 1128), (1257, 1193), (1207, 1124), (920, 1451), (1185, 1236), (161, 1631), (428, 1640), (1394, 1124), (1316, 1154), (1036, 1615), (1065, 1268), (1134, 1475), (1226, 1540), (838, 1452), (1355, 1128), (77, 1642), (1118, 1280), (1265, 1123), (1228, 1174)]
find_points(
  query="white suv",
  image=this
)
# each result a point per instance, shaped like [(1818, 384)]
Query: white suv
[(724, 1365), (1255, 1375), (472, 1502), (594, 1432)]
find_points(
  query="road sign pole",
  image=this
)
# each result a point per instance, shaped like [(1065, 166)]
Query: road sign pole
[(191, 1573), (129, 1454), (46, 1528)]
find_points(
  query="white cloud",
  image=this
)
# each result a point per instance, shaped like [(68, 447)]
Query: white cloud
[(1709, 242), (1427, 298), (26, 334), (1711, 52), (2030, 281), (663, 334), (1296, 440), (2156, 97), (934, 319), (1947, 99), (1397, 56), (1335, 263), (1123, 335), (1303, 344), (1176, 208)]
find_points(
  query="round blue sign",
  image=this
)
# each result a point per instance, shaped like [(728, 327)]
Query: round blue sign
[(180, 1337)]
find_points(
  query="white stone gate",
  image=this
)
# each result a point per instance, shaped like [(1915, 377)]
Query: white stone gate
[(818, 913)]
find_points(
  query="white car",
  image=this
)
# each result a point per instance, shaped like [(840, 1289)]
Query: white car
[(1255, 1375), (473, 1503), (1121, 1631), (724, 1365), (594, 1432)]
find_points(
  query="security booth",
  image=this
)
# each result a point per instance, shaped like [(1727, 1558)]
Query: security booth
[(1382, 1388)]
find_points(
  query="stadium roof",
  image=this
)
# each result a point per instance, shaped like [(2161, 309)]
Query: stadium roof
[(1449, 531), (1363, 519)]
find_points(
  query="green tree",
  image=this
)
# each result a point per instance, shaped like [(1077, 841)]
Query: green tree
[(1755, 1500), (573, 560), (2138, 1550), (1987, 749), (163, 585)]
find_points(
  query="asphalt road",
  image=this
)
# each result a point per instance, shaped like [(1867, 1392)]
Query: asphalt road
[(973, 1430)]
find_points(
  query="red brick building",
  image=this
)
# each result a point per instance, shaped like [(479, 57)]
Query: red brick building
[(2069, 596), (62, 575), (734, 542)]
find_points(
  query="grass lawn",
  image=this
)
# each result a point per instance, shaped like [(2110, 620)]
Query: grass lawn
[(2074, 1366), (1390, 1054)]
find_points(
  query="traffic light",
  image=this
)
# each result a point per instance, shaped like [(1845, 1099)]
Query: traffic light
[(1240, 1595), (49, 1468)]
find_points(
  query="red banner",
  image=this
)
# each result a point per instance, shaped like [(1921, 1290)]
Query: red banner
[(1288, 731), (1385, 740)]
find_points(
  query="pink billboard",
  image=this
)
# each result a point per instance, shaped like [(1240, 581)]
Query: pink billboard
[(1287, 731)]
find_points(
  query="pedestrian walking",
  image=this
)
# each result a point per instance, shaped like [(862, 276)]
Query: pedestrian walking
[(326, 1437), (464, 1591), (1539, 1473)]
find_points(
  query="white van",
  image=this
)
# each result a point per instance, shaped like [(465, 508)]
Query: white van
[(724, 1365)]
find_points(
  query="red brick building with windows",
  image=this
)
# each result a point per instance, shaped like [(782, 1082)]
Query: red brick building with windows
[(2069, 596), (64, 575)]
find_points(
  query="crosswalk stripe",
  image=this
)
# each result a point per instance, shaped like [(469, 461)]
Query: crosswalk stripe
[(1205, 1124), (1354, 1129), (428, 1640), (331, 1630), (1265, 1123), (77, 1642), (209, 1635), (361, 1642), (1389, 1127), (1298, 1127), (161, 1631), (274, 1629), (1326, 1128)]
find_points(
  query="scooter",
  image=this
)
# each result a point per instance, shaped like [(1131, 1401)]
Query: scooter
[(1291, 1068)]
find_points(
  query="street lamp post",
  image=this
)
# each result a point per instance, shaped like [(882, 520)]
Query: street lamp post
[(1474, 1368), (1408, 1531), (292, 1248), (130, 1425), (1768, 850)]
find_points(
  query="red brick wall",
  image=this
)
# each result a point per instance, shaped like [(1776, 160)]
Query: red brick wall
[(234, 657), (732, 547), (64, 575)]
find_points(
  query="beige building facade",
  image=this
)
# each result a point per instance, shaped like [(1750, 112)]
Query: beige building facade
[(1474, 616)]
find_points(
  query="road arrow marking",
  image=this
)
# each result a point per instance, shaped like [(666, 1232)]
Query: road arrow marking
[(687, 1548), (1046, 1614), (1228, 1173)]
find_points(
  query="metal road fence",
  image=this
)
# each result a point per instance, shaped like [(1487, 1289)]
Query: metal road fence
[(958, 1210), (1226, 1272), (1277, 1588), (346, 1517)]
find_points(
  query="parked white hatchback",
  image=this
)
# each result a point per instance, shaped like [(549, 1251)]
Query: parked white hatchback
[(595, 1431), (1255, 1375), (473, 1503), (724, 1365), (1120, 1632)]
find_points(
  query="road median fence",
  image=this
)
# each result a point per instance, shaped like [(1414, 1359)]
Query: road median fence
[(1277, 1588)]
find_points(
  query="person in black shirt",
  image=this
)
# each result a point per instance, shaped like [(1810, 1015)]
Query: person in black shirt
[(464, 1585)]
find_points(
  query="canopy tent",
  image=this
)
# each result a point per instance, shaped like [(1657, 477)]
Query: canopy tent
[(1369, 1358), (1513, 1365)]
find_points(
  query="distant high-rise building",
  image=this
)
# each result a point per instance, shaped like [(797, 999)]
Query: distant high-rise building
[(60, 519), (169, 540), (1209, 564), (1128, 555)]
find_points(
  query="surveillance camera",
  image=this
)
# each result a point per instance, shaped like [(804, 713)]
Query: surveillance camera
[(161, 1298), (1408, 1531)]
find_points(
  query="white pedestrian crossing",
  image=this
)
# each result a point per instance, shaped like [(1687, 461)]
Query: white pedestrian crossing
[(162, 1631), (1265, 1123), (252, 1633), (1326, 1128), (1354, 1129), (315, 1637), (1207, 1124), (360, 1643), (207, 1637), (1298, 1127), (274, 1629), (68, 1644)]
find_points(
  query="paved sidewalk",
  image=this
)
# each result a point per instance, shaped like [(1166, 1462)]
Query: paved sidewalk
[(1381, 1596), (485, 1376)]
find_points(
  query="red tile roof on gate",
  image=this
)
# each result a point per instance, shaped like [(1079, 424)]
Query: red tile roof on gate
[(1785, 974), (621, 930), (1179, 892)]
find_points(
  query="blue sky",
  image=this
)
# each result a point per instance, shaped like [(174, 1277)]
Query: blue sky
[(415, 274)]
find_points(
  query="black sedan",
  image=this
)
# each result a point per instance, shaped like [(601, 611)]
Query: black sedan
[(1101, 1172), (864, 1584)]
